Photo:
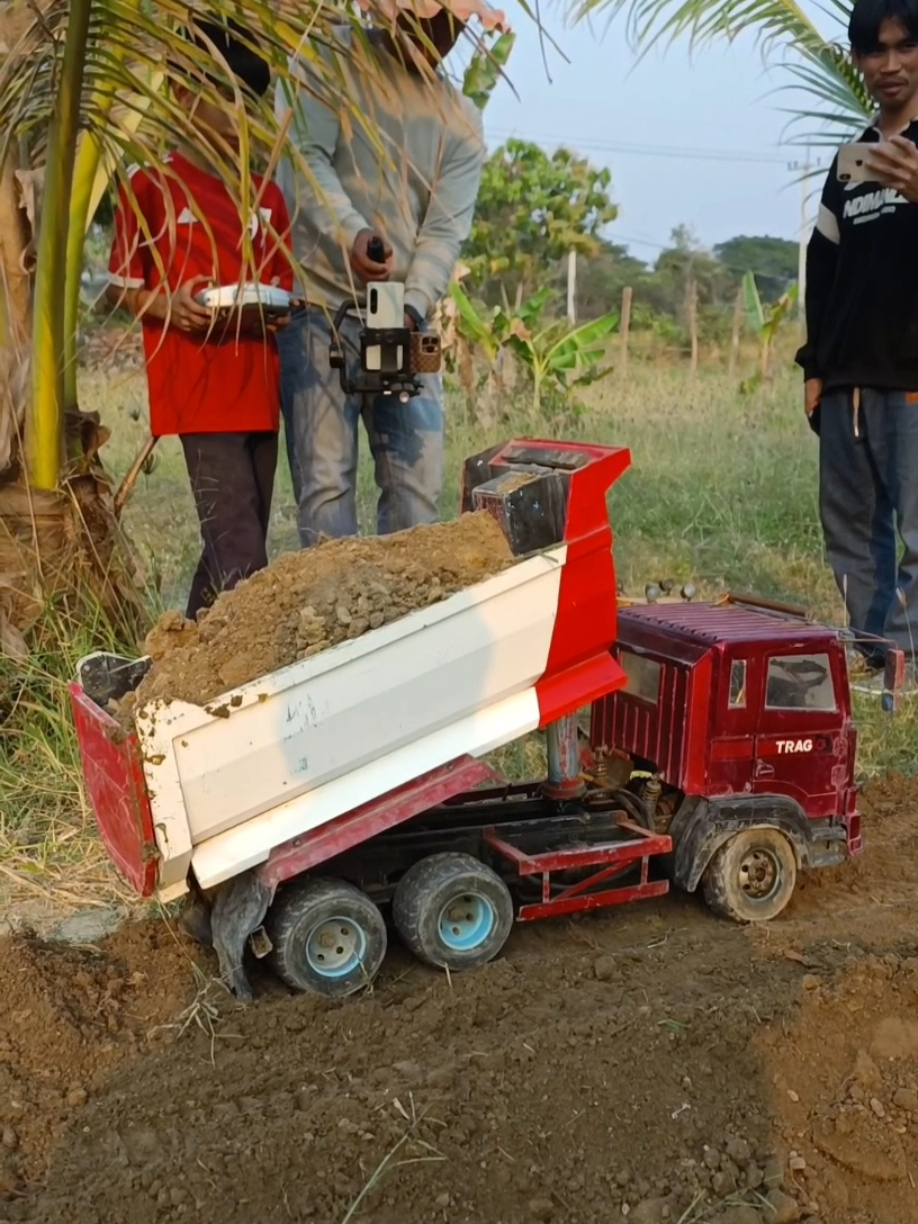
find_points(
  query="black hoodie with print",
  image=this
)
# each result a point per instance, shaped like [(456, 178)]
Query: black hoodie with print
[(862, 286)]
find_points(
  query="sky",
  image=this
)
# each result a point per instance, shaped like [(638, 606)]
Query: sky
[(701, 142)]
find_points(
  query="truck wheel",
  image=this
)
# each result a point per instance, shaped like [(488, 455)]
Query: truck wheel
[(751, 877), (328, 937), (452, 911)]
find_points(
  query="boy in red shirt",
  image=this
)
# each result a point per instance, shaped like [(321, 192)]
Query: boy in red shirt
[(210, 382)]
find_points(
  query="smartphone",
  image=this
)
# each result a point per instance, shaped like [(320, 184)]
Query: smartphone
[(852, 163), (385, 310)]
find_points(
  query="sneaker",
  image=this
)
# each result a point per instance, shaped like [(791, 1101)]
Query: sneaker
[(862, 665)]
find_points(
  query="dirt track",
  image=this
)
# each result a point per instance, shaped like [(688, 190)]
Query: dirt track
[(623, 1066)]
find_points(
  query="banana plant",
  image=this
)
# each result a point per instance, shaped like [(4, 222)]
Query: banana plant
[(559, 358), (766, 322)]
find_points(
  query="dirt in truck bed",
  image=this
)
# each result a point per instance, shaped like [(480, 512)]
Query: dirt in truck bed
[(307, 601), (653, 1065)]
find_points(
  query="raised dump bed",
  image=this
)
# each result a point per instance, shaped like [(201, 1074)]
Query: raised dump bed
[(197, 794)]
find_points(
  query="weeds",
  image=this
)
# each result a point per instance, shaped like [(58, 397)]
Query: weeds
[(392, 1161), (692, 1213)]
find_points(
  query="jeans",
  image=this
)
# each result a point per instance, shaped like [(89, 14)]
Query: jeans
[(868, 492), (321, 425), (232, 480)]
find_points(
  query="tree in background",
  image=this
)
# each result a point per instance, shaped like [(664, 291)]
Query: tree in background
[(602, 279), (533, 208), (683, 264), (773, 261)]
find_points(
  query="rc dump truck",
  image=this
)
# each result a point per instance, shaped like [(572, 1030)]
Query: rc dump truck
[(321, 806)]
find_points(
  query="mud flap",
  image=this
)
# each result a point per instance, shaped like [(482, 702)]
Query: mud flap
[(238, 911)]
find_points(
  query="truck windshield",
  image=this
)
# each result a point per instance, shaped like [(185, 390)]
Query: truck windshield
[(800, 682)]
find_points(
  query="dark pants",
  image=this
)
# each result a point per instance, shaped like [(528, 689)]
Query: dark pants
[(868, 493), (232, 479)]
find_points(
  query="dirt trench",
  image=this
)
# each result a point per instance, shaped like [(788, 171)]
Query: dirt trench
[(648, 1066)]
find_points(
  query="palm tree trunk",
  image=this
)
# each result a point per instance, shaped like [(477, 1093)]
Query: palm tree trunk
[(45, 433)]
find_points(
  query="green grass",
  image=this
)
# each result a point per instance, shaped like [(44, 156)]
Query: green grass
[(722, 492), (722, 489)]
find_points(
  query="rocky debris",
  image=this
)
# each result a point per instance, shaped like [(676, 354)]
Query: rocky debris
[(782, 1208), (739, 1215)]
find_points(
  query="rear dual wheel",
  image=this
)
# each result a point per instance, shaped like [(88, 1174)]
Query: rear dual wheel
[(328, 937), (453, 911)]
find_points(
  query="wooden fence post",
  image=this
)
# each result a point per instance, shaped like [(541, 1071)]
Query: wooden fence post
[(625, 327), (737, 328), (692, 315)]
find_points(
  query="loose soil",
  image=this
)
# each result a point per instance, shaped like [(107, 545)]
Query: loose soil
[(647, 1065), (308, 601)]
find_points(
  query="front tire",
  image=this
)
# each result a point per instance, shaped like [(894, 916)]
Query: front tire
[(328, 937), (751, 877), (452, 911)]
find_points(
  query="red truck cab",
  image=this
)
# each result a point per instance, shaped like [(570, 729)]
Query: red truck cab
[(735, 727)]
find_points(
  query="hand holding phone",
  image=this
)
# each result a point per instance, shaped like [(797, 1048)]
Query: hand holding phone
[(893, 163), (852, 162)]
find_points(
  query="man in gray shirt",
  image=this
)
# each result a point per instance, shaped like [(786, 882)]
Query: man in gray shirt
[(401, 159)]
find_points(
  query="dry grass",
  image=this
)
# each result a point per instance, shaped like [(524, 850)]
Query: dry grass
[(722, 492)]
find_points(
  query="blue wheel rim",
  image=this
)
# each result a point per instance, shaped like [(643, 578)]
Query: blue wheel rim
[(466, 921), (335, 947)]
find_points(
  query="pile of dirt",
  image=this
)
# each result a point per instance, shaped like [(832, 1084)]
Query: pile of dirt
[(71, 1015), (308, 601), (845, 1089), (647, 1065), (567, 1085)]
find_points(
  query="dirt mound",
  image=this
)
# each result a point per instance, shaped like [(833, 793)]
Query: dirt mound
[(70, 1015), (845, 1090), (566, 1086), (307, 601)]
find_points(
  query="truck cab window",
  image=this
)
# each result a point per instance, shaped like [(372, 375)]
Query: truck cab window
[(800, 682), (738, 684)]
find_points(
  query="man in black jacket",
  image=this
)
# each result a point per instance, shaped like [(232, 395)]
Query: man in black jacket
[(860, 360)]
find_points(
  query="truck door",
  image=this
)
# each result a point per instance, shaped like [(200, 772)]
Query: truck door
[(734, 717), (801, 747)]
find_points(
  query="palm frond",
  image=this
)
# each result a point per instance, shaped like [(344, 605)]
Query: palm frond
[(787, 36)]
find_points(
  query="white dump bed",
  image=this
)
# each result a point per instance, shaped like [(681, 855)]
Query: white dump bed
[(284, 754)]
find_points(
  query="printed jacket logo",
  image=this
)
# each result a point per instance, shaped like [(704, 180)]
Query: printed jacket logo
[(872, 203)]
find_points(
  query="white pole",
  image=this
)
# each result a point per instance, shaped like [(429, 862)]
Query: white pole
[(572, 287)]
